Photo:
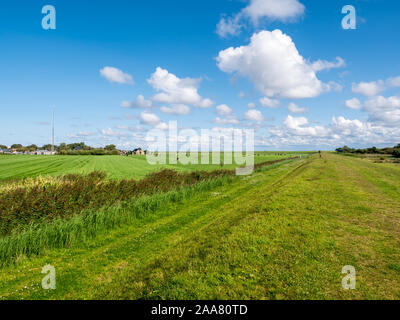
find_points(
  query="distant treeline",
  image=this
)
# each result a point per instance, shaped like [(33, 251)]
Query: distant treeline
[(395, 151), (67, 149)]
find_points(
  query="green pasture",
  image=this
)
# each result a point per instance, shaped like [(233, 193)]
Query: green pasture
[(284, 232), (117, 167)]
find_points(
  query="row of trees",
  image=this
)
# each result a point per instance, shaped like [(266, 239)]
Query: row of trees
[(67, 149), (395, 151), (82, 149)]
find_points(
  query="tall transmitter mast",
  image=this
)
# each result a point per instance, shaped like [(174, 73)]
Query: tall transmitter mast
[(52, 134)]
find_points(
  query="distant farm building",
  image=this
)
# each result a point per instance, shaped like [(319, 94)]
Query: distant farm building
[(44, 153), (139, 151)]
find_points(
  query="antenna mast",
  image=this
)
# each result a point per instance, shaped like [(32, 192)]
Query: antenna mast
[(52, 134)]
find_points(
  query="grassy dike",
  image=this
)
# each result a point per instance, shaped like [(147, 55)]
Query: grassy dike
[(283, 233)]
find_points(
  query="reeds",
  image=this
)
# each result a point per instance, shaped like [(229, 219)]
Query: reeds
[(58, 212), (35, 202), (61, 233)]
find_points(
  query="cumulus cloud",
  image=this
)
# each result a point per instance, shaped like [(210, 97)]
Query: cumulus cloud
[(140, 102), (257, 10), (299, 126), (149, 118), (229, 27), (224, 121), (394, 82), (254, 115), (273, 64), (383, 110), (115, 75), (176, 109), (294, 108), (369, 88), (346, 127), (297, 131), (173, 90), (161, 126), (320, 65), (108, 132), (223, 110), (270, 103), (354, 104), (226, 114), (274, 10)]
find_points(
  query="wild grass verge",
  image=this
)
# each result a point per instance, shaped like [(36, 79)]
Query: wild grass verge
[(44, 200), (61, 232)]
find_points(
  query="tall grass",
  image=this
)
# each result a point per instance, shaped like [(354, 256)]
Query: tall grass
[(60, 232), (45, 200)]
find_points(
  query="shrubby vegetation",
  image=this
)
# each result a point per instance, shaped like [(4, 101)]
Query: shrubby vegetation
[(60, 233), (68, 149), (53, 212), (73, 193), (395, 151), (33, 201)]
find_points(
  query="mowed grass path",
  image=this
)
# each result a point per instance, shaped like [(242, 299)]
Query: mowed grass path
[(283, 233), (117, 167)]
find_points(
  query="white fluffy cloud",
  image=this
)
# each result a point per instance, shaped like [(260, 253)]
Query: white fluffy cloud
[(176, 109), (272, 9), (320, 65), (140, 102), (161, 126), (115, 75), (173, 90), (394, 82), (297, 131), (257, 10), (226, 114), (254, 115), (354, 104), (294, 108), (229, 120), (273, 64), (270, 103), (229, 27), (149, 118), (383, 110), (369, 88), (347, 127), (223, 110), (112, 133), (298, 126)]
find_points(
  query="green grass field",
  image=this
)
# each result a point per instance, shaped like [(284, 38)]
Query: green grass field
[(284, 232), (117, 167)]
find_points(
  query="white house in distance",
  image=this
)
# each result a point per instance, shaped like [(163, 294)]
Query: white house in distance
[(45, 153)]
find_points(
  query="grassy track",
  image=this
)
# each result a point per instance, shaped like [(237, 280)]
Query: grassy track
[(117, 167), (282, 233)]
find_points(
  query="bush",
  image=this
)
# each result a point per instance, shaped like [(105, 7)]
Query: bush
[(73, 193)]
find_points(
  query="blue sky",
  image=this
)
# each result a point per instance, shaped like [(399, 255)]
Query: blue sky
[(351, 98)]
